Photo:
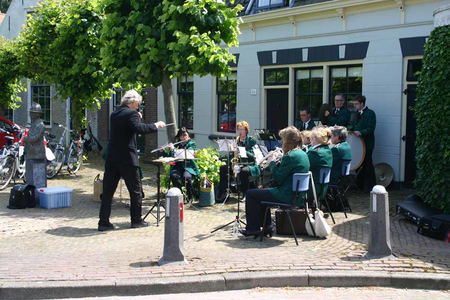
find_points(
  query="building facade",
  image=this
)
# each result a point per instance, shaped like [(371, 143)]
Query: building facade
[(295, 54)]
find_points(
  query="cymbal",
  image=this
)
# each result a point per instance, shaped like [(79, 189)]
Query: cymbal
[(325, 107), (384, 174)]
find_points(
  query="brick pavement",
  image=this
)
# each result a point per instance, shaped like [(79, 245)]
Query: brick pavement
[(64, 244)]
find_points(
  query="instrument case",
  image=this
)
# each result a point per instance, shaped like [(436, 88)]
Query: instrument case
[(298, 218), (436, 227), (22, 196), (413, 209)]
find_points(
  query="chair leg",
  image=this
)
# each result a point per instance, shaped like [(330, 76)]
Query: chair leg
[(328, 208), (309, 220), (264, 222), (292, 226), (342, 204), (348, 203)]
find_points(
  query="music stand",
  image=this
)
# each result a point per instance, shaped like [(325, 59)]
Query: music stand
[(185, 155)]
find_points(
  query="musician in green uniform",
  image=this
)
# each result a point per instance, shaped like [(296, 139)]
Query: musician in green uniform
[(293, 161), (364, 123), (320, 156), (249, 165), (307, 123), (341, 151), (340, 115), (182, 170)]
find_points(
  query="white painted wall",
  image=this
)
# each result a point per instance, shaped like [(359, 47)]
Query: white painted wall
[(15, 17)]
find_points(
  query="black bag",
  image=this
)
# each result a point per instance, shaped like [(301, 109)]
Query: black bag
[(413, 209), (436, 227), (298, 218), (22, 196)]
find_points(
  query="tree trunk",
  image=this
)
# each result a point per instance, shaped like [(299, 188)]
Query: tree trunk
[(169, 108)]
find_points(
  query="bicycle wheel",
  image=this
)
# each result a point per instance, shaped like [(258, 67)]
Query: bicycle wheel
[(75, 159), (7, 170), (54, 166)]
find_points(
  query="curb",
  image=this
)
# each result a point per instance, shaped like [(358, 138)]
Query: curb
[(220, 282)]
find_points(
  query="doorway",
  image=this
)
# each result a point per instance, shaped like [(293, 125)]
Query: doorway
[(277, 109)]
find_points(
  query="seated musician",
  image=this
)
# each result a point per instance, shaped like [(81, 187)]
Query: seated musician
[(319, 155), (181, 172), (243, 140), (306, 140), (341, 151), (293, 161)]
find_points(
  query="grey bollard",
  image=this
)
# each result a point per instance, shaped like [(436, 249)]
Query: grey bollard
[(380, 231), (173, 254)]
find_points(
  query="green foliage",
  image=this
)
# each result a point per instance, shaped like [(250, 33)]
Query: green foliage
[(144, 39), (62, 48), (10, 78), (166, 177), (433, 128)]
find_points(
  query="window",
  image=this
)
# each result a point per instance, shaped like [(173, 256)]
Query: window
[(346, 81), (186, 101), (270, 3), (308, 91), (40, 93), (276, 76), (414, 66), (226, 95), (9, 113)]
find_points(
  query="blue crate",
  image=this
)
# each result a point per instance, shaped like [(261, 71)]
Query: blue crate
[(55, 197)]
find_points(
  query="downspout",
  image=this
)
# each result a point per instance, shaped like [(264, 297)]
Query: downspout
[(249, 7)]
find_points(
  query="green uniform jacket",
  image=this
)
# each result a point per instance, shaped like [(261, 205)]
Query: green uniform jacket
[(341, 152), (319, 158), (249, 143), (191, 166), (366, 125), (341, 119), (301, 125), (296, 161)]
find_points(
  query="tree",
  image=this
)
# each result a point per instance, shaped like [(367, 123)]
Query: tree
[(4, 5), (62, 47), (10, 76), (151, 41), (433, 130)]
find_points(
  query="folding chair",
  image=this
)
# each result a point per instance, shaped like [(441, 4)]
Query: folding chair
[(339, 187), (324, 179), (300, 184)]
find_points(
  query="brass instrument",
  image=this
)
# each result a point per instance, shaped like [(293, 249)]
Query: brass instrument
[(278, 156)]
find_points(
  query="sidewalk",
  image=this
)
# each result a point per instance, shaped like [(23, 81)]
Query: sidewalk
[(62, 247)]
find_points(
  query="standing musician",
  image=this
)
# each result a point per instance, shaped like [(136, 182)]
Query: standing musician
[(180, 171), (341, 151), (243, 140), (293, 161), (319, 155), (340, 115)]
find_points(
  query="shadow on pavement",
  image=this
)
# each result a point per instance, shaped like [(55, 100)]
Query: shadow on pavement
[(84, 232)]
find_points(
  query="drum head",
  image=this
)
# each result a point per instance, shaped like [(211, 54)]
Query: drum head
[(358, 150)]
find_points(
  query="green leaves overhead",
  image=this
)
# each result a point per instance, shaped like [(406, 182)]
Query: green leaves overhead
[(433, 130), (10, 77)]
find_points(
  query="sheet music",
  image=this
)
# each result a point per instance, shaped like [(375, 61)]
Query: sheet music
[(242, 152), (165, 159), (264, 150), (227, 145), (258, 154), (179, 154)]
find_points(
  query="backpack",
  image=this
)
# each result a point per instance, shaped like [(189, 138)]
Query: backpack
[(22, 196)]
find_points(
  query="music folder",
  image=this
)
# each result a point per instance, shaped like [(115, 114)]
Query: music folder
[(227, 145), (179, 154)]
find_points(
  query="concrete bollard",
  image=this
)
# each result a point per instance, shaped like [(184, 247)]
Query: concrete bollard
[(173, 254), (380, 229)]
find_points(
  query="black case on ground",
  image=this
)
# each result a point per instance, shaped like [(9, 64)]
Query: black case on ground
[(413, 209), (436, 227), (22, 196), (298, 218)]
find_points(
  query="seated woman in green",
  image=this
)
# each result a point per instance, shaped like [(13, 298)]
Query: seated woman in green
[(182, 170), (293, 161), (341, 151), (320, 156)]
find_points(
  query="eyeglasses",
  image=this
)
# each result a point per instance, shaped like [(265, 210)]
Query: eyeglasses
[(338, 100), (303, 115), (241, 129)]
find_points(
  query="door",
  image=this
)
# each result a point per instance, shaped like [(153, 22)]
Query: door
[(410, 137), (277, 109)]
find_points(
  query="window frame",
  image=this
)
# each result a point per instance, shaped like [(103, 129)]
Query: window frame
[(34, 84), (282, 4), (265, 83), (220, 93), (413, 77), (182, 93), (297, 118), (330, 85)]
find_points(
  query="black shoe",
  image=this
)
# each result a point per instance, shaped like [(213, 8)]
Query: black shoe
[(140, 224), (103, 227), (248, 233), (269, 230)]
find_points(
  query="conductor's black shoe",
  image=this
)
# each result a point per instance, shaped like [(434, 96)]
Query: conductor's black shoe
[(105, 227), (140, 224), (248, 233)]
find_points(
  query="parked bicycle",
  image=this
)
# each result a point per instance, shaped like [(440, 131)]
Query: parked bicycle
[(13, 160), (74, 158)]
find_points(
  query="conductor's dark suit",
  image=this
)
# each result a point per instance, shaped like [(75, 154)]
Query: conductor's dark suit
[(122, 161)]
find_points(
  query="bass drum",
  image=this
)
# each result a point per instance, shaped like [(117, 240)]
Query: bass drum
[(358, 150)]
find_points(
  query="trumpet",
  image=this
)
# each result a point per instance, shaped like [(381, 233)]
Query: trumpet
[(278, 156)]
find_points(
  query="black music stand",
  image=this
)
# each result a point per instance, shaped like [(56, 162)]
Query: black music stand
[(158, 203), (268, 137)]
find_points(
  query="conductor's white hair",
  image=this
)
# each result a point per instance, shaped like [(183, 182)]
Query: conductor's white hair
[(130, 97)]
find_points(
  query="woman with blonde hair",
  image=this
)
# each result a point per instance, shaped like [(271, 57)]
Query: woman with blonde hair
[(293, 161), (320, 155), (306, 139)]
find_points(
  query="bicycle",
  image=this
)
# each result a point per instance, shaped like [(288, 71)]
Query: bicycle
[(74, 158), (13, 159)]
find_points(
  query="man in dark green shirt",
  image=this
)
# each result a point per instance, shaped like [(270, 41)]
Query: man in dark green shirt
[(306, 123), (340, 115), (364, 123)]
